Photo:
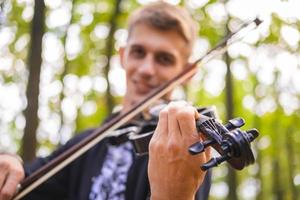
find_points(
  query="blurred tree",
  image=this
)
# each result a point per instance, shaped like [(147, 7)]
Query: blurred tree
[(289, 145), (229, 101), (29, 142), (232, 177)]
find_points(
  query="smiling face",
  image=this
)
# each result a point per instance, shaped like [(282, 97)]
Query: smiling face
[(150, 58)]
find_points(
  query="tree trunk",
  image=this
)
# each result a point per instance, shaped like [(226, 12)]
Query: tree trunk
[(257, 123), (277, 138), (289, 144), (29, 142), (259, 161), (277, 186), (231, 178)]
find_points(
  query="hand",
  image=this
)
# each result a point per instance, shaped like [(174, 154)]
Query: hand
[(173, 172), (11, 174)]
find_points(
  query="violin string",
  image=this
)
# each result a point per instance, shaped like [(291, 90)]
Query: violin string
[(209, 125), (215, 125), (212, 125), (219, 128), (206, 124)]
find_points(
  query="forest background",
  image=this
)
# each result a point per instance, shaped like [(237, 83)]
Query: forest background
[(59, 66)]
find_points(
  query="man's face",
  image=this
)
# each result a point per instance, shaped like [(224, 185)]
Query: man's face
[(150, 58)]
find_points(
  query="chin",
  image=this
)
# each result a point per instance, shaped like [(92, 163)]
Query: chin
[(137, 99)]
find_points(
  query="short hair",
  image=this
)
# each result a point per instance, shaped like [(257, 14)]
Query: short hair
[(165, 17)]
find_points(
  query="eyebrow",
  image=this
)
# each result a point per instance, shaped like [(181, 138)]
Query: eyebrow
[(134, 46)]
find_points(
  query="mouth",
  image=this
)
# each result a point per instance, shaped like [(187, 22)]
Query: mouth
[(143, 88)]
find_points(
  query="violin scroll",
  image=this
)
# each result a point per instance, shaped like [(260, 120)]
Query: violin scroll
[(228, 140), (233, 144)]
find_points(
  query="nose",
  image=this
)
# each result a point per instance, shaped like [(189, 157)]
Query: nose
[(146, 67)]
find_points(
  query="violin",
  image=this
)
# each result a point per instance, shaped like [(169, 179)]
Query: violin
[(228, 140)]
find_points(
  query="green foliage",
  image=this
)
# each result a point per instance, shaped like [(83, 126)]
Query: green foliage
[(277, 148), (274, 30), (95, 119)]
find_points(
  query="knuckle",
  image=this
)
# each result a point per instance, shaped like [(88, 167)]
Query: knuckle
[(178, 108), (186, 113), (172, 108), (152, 146), (19, 173), (173, 146), (4, 166), (6, 193), (163, 113), (155, 146)]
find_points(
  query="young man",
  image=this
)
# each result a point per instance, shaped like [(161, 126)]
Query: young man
[(159, 44)]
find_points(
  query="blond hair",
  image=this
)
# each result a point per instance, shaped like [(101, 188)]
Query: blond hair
[(166, 17)]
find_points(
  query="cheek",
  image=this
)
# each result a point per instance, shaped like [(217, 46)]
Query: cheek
[(169, 73), (130, 69), (131, 66)]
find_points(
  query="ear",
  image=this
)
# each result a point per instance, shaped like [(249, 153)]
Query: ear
[(122, 56)]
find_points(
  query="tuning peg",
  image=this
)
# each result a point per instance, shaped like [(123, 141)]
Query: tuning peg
[(252, 134), (235, 123), (214, 162), (199, 147)]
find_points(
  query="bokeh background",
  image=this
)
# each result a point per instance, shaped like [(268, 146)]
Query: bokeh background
[(60, 74)]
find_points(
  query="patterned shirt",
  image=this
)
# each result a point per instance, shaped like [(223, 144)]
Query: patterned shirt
[(111, 182)]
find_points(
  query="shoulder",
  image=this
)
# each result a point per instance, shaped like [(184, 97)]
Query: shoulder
[(82, 135), (30, 167), (79, 137)]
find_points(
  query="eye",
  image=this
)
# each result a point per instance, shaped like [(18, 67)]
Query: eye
[(137, 52), (165, 59)]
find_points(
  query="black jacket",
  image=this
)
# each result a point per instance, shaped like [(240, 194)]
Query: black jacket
[(75, 180)]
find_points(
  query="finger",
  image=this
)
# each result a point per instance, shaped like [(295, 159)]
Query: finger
[(3, 175), (207, 153), (197, 115), (9, 188), (187, 123), (162, 128), (175, 107)]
